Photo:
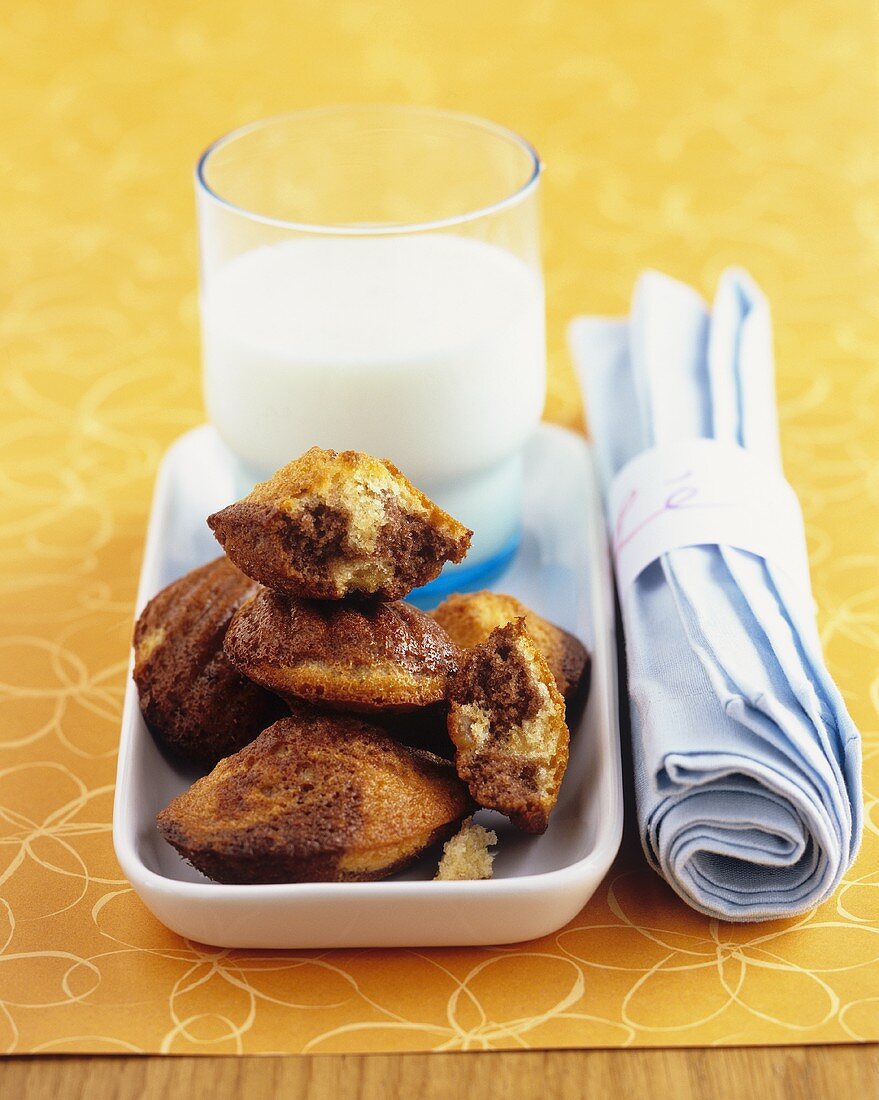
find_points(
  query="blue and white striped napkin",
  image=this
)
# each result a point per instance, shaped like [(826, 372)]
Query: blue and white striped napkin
[(747, 764)]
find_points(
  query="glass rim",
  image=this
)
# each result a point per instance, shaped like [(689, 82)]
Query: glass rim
[(380, 228)]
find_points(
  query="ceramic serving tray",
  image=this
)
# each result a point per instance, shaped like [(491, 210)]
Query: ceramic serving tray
[(562, 571)]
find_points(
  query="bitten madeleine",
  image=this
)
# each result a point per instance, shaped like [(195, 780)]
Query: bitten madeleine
[(316, 798), (193, 699), (360, 656), (332, 524), (469, 617), (507, 720)]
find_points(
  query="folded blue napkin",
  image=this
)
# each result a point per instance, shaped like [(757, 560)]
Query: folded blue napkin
[(747, 765)]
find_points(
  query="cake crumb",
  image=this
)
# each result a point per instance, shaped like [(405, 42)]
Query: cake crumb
[(466, 855)]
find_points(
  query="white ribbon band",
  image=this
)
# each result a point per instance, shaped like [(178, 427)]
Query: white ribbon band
[(702, 492)]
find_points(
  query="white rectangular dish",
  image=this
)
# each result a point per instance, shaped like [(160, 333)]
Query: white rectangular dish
[(562, 570)]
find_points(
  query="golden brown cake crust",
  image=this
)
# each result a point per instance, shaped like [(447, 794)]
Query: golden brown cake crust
[(316, 798), (469, 617), (361, 656), (507, 720), (332, 524), (194, 700)]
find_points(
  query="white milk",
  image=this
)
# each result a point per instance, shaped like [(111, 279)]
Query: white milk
[(428, 350)]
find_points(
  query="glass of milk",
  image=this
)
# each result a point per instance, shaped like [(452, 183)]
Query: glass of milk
[(371, 280)]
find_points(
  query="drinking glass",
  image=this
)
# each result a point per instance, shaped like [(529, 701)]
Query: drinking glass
[(371, 280)]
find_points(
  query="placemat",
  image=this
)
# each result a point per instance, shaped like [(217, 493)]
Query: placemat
[(686, 136)]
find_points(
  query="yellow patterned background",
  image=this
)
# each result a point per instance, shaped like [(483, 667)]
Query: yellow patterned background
[(686, 135)]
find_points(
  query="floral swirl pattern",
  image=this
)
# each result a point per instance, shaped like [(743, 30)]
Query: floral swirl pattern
[(687, 136)]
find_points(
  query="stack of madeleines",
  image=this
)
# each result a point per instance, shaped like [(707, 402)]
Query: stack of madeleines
[(347, 730)]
